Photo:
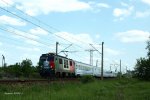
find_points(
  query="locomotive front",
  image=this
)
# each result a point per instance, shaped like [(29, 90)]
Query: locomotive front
[(47, 64)]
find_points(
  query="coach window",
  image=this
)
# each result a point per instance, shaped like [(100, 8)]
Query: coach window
[(65, 63), (70, 63), (60, 61)]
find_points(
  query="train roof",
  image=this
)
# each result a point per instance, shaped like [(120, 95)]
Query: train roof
[(54, 54), (84, 63)]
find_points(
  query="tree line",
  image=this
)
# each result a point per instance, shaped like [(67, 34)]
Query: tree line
[(24, 69)]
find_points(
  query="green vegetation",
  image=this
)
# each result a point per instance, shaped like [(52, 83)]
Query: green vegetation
[(142, 68), (124, 89), (87, 79), (25, 69)]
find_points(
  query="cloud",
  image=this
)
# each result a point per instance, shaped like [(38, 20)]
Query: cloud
[(146, 1), (32, 42), (124, 4), (132, 36), (36, 7), (21, 34), (121, 13), (6, 3), (1, 43), (96, 7), (27, 49), (11, 21), (80, 39), (142, 14), (97, 36), (38, 31), (110, 51), (103, 5)]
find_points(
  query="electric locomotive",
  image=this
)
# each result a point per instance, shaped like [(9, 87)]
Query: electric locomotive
[(56, 65)]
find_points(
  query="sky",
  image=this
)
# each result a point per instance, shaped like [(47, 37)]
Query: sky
[(29, 28)]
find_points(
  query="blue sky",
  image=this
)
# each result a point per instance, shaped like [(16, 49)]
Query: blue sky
[(123, 25)]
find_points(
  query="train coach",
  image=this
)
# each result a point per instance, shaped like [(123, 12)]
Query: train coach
[(58, 66)]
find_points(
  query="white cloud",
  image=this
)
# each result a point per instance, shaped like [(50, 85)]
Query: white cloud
[(146, 1), (96, 7), (133, 36), (21, 34), (76, 38), (27, 49), (38, 31), (124, 4), (110, 51), (32, 42), (142, 14), (36, 7), (11, 21), (103, 5), (6, 3), (1, 43), (118, 12), (97, 36)]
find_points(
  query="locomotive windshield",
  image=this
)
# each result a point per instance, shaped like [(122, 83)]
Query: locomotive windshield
[(46, 60)]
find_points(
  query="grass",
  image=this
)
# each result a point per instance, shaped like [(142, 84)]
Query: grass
[(117, 89)]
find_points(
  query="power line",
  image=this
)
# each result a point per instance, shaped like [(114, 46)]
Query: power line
[(17, 42), (15, 29), (22, 36), (57, 30), (37, 25), (31, 16)]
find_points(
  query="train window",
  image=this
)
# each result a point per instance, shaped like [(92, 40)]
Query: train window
[(60, 61), (70, 63), (65, 63)]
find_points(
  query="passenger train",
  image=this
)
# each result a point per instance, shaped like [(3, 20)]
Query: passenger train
[(58, 66)]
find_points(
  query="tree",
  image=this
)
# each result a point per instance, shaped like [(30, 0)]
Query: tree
[(26, 67), (148, 48), (14, 70), (142, 68)]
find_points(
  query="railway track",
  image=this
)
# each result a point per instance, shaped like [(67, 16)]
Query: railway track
[(11, 81)]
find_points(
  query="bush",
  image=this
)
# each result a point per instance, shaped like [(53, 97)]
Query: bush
[(87, 79), (142, 69)]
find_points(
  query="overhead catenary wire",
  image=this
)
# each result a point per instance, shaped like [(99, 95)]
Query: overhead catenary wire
[(37, 26), (22, 36), (18, 42), (31, 16), (27, 33), (57, 30)]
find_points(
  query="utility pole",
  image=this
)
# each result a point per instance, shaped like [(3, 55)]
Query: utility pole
[(110, 66), (91, 55), (57, 47), (102, 61), (96, 63), (3, 61), (120, 68)]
